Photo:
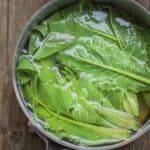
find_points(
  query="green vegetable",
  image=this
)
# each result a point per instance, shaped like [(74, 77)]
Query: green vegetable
[(83, 72), (147, 98)]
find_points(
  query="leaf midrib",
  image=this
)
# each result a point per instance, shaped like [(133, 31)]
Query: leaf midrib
[(112, 28)]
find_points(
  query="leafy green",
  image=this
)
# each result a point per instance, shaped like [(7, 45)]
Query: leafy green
[(52, 43), (147, 97), (84, 70)]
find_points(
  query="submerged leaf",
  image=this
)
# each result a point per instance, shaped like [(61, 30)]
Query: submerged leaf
[(53, 43)]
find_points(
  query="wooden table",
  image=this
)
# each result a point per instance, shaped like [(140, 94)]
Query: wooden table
[(14, 132)]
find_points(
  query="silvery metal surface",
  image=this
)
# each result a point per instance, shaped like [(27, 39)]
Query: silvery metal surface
[(49, 8)]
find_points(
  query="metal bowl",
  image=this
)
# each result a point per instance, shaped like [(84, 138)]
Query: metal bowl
[(52, 6)]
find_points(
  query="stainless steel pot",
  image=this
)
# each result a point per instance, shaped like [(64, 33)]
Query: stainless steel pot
[(54, 5)]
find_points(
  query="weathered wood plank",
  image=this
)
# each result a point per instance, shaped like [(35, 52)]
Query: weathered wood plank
[(14, 132), (3, 72)]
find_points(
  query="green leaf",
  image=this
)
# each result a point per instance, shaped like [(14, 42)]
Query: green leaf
[(147, 98), (103, 65), (25, 63), (53, 43), (118, 118), (133, 39), (25, 69), (85, 134), (144, 109), (34, 42), (131, 103)]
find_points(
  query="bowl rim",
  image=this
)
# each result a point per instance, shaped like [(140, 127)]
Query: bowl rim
[(20, 99)]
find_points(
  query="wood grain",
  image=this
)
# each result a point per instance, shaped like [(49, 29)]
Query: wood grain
[(14, 132), (3, 72)]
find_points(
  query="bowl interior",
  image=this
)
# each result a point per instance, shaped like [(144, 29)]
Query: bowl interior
[(41, 14)]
